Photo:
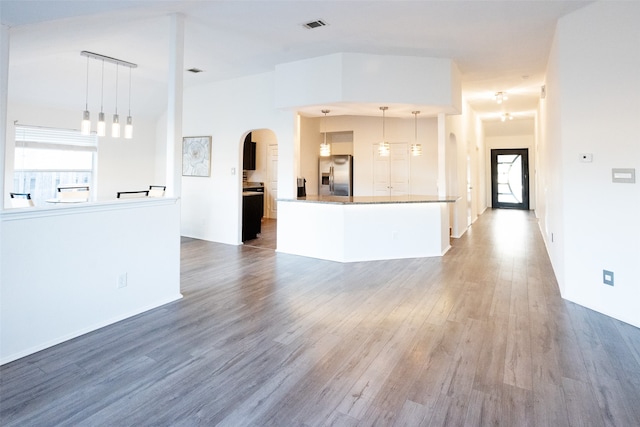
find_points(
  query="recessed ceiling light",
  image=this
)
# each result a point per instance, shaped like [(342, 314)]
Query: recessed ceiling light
[(195, 70), (314, 24)]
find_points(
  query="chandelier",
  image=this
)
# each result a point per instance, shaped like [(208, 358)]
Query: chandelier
[(85, 127)]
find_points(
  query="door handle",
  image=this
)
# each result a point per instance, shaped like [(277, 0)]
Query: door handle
[(331, 179)]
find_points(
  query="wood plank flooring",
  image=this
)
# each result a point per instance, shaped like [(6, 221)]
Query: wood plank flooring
[(478, 337), (267, 237)]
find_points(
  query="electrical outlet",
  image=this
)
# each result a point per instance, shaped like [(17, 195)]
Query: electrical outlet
[(607, 277), (586, 157), (122, 280)]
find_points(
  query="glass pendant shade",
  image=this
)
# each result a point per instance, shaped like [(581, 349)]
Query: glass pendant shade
[(383, 147), (102, 125), (115, 127), (128, 128), (416, 149), (325, 150), (85, 127)]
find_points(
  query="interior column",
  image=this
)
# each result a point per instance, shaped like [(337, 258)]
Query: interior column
[(442, 155), (4, 86), (174, 106)]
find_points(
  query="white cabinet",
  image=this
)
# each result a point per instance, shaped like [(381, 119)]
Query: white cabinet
[(391, 174)]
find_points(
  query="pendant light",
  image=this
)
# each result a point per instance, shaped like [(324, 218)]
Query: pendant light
[(500, 97), (85, 126), (115, 127), (102, 125), (416, 149), (383, 147), (128, 128), (325, 149)]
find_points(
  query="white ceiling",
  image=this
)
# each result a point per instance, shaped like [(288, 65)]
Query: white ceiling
[(497, 45)]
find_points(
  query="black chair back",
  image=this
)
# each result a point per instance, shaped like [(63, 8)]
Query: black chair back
[(132, 194)]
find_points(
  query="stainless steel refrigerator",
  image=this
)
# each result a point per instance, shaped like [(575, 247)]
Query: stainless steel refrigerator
[(336, 175)]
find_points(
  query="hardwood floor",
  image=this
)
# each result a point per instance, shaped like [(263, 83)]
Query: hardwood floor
[(267, 237), (477, 337)]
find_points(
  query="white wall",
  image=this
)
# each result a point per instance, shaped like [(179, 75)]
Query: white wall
[(60, 268), (364, 78), (226, 111), (592, 107), (465, 129), (4, 84), (476, 148), (549, 179)]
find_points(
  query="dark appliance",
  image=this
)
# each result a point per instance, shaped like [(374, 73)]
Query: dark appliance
[(249, 154), (252, 209), (302, 187)]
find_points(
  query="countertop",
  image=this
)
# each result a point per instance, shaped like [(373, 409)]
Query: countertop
[(252, 185), (373, 200)]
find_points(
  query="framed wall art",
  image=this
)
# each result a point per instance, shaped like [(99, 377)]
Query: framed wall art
[(196, 156)]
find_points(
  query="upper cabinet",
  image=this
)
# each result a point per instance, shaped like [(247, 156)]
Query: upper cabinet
[(249, 156)]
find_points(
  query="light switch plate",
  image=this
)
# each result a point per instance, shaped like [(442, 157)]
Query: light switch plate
[(623, 175), (607, 277)]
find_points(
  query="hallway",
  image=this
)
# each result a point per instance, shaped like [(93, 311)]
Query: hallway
[(477, 337)]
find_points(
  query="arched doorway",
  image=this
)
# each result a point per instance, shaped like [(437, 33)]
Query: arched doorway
[(259, 154)]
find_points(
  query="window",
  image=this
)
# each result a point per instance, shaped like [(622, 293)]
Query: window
[(46, 158)]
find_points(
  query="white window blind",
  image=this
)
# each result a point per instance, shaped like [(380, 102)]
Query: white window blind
[(56, 139), (47, 158)]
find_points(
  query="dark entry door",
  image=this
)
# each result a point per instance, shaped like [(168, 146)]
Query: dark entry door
[(510, 178)]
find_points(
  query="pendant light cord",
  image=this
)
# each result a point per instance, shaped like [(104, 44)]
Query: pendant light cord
[(324, 125), (129, 91), (86, 100), (117, 88), (102, 87), (383, 120)]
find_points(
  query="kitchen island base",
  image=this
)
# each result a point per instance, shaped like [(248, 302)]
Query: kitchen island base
[(364, 229)]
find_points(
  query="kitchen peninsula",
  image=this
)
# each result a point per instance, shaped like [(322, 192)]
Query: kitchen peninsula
[(364, 228)]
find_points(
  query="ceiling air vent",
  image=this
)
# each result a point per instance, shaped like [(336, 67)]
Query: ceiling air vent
[(314, 24), (195, 70)]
